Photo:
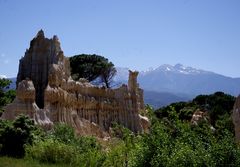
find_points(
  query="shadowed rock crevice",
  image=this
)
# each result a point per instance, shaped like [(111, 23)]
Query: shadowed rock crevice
[(36, 63)]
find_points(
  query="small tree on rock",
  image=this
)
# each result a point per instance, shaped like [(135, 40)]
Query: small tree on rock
[(92, 67)]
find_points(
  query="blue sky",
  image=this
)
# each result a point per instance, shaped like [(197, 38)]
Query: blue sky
[(131, 33)]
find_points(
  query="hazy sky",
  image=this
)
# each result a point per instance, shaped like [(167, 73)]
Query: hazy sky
[(131, 33)]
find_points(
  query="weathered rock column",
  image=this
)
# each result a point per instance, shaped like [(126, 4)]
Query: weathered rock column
[(47, 93)]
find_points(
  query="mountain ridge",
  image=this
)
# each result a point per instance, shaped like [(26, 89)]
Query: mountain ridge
[(183, 79), (167, 83), (180, 83)]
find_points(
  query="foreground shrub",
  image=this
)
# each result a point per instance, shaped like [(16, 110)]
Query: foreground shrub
[(55, 152), (61, 146), (15, 135), (180, 144), (63, 133), (116, 156), (52, 151)]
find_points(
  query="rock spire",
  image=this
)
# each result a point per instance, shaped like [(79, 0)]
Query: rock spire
[(47, 93)]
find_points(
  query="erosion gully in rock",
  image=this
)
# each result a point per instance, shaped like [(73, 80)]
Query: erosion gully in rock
[(47, 93)]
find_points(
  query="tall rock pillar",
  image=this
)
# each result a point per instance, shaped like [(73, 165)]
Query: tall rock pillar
[(35, 65)]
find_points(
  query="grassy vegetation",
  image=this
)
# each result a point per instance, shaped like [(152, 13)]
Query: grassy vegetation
[(172, 140), (14, 162)]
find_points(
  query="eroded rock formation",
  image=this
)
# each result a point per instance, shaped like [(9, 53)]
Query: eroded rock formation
[(47, 93)]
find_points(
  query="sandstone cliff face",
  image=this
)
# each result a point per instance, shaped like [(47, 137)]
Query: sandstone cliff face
[(38, 61), (236, 118), (47, 93)]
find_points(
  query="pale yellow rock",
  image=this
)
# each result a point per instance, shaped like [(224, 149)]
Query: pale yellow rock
[(47, 93)]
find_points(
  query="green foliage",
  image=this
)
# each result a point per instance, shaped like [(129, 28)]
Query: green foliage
[(15, 135), (216, 104), (61, 146), (87, 143), (184, 145), (225, 152), (56, 152), (92, 67), (182, 111), (63, 133), (171, 141), (116, 155), (52, 151), (16, 162), (6, 96), (121, 153)]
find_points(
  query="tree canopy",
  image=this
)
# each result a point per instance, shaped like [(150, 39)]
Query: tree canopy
[(92, 67), (6, 96)]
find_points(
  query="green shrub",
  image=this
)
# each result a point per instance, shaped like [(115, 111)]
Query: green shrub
[(6, 96), (62, 146), (56, 152), (87, 144), (63, 133), (94, 158), (116, 155), (14, 135), (173, 142), (52, 151)]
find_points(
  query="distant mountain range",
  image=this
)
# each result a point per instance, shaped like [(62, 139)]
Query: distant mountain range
[(167, 84)]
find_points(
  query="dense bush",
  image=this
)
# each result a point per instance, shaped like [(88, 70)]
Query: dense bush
[(216, 104), (184, 110), (6, 96), (61, 146), (65, 134), (171, 141), (52, 151), (184, 145), (15, 135), (62, 133)]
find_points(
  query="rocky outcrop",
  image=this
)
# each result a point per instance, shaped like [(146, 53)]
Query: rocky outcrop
[(199, 116), (47, 93), (24, 103), (236, 118), (43, 55)]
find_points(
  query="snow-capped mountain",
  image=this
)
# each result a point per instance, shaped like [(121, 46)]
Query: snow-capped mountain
[(185, 82), (178, 68)]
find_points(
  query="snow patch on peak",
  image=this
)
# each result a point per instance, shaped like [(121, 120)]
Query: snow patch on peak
[(168, 69), (179, 68), (165, 67)]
